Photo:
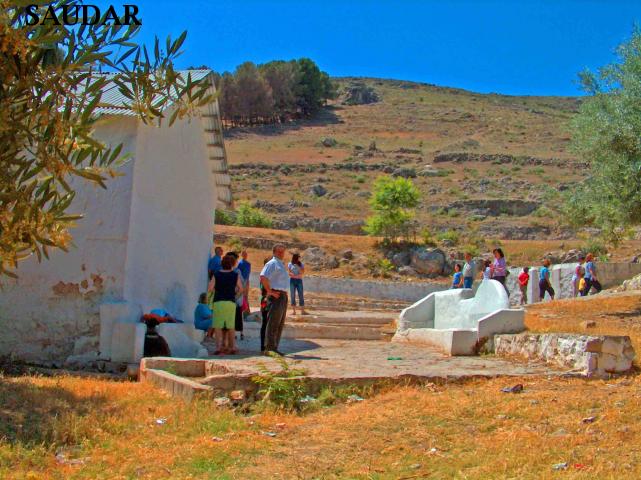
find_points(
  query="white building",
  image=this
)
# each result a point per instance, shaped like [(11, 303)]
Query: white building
[(142, 243)]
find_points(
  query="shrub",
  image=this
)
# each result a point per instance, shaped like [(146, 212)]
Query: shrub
[(283, 389), (595, 246), (235, 244), (360, 179), (543, 211), (473, 250), (427, 238), (224, 217), (248, 216), (450, 235)]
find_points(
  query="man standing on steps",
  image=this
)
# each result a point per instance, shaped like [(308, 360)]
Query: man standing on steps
[(275, 279)]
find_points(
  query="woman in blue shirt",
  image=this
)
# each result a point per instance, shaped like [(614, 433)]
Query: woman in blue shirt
[(590, 276), (203, 316), (544, 280), (457, 281)]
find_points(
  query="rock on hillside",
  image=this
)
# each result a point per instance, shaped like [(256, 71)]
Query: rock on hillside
[(358, 93)]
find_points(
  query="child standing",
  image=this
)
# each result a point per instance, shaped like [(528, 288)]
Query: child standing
[(524, 279), (582, 291), (457, 281), (487, 270)]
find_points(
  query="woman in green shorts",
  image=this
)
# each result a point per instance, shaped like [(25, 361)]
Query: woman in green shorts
[(225, 285)]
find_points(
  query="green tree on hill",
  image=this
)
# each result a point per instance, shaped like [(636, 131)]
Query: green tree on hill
[(393, 202), (607, 134)]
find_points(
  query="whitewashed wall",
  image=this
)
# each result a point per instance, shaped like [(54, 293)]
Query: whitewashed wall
[(54, 302), (170, 232)]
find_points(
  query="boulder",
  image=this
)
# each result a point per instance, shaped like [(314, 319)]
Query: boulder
[(329, 142), (318, 190), (317, 257), (347, 254), (407, 271), (404, 172), (430, 261), (401, 259)]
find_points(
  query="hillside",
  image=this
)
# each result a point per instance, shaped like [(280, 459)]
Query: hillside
[(485, 163)]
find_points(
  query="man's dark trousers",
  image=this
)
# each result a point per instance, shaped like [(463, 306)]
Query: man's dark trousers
[(276, 312)]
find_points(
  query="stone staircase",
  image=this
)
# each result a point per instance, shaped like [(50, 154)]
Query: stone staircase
[(339, 317)]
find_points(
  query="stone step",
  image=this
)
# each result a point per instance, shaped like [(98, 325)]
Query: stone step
[(323, 330), (352, 318)]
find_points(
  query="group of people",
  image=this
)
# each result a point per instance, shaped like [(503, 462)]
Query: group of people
[(584, 278), (496, 270), (221, 310)]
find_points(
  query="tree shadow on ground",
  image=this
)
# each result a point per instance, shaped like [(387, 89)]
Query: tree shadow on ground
[(33, 414), (326, 116)]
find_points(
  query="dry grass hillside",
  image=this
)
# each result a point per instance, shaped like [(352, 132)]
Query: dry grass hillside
[(490, 163)]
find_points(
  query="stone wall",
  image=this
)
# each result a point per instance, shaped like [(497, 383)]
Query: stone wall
[(583, 354), (407, 292), (610, 274)]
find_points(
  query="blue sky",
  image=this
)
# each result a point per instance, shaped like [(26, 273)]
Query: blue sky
[(511, 47)]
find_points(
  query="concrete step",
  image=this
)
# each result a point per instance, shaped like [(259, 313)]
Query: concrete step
[(350, 318), (338, 332)]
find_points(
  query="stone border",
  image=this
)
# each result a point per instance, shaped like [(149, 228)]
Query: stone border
[(588, 355)]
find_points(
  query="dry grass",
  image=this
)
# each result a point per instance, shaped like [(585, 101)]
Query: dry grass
[(458, 430), (614, 314), (469, 430)]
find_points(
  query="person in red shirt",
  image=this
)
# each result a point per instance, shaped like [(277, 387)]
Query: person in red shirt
[(524, 279)]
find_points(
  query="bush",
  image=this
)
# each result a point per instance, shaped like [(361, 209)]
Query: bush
[(450, 235), (248, 216), (596, 246), (543, 211), (427, 238), (283, 389), (224, 217), (473, 250)]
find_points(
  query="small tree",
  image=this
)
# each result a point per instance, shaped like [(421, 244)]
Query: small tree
[(607, 134), (393, 203)]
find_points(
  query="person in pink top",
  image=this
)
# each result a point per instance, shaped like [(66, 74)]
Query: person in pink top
[(499, 268)]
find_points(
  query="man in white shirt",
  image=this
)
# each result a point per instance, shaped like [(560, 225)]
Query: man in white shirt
[(275, 279)]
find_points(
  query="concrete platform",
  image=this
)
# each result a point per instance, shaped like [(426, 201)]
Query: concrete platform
[(336, 359), (327, 361)]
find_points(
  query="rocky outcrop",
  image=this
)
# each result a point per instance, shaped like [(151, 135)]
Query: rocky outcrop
[(272, 207), (496, 207), (359, 93), (322, 225), (632, 284), (257, 242), (563, 257), (523, 232), (498, 159)]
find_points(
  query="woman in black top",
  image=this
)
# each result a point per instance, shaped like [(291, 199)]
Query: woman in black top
[(225, 284)]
